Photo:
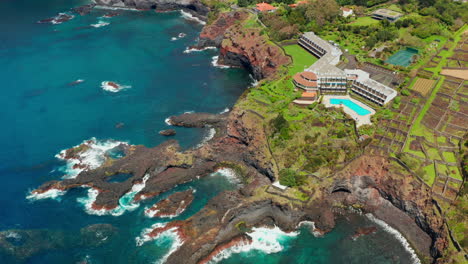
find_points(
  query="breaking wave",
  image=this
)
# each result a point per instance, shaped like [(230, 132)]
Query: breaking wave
[(49, 194), (190, 50), (169, 235), (267, 240), (229, 173), (397, 235), (100, 23), (214, 62), (189, 16), (91, 158), (113, 87), (125, 202), (211, 133), (254, 81)]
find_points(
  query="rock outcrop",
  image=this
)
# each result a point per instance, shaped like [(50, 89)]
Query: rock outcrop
[(172, 206), (167, 132), (243, 46), (195, 7)]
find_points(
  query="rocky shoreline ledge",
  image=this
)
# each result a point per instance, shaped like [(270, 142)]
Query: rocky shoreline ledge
[(372, 184)]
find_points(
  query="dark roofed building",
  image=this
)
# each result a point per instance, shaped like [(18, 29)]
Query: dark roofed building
[(387, 14)]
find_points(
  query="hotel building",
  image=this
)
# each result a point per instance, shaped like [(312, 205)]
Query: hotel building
[(325, 78)]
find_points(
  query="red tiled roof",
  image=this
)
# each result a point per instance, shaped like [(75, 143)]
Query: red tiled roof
[(262, 7), (345, 9), (309, 94), (299, 78), (309, 75)]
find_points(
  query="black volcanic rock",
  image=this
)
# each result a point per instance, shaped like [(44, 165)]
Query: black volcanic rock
[(84, 9)]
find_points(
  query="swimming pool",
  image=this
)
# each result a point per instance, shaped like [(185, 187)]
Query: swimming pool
[(350, 104)]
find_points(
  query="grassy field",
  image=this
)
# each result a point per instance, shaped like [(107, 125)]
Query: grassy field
[(364, 21), (301, 58)]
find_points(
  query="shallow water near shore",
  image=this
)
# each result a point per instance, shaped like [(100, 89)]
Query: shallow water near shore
[(46, 110)]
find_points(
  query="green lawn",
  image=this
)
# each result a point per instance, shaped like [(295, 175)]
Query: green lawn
[(430, 174), (301, 58), (364, 21), (449, 157), (455, 173), (433, 154)]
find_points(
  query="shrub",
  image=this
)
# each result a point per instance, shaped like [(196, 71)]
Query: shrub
[(405, 93), (289, 177)]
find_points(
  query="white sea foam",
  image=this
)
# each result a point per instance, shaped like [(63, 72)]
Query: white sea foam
[(267, 240), (229, 173), (311, 225), (211, 133), (190, 50), (12, 234), (150, 213), (100, 23), (49, 194), (115, 8), (56, 20), (126, 202), (162, 237), (91, 158), (397, 235), (144, 236), (176, 244), (168, 121), (254, 81), (224, 111), (189, 16), (181, 35), (107, 87), (214, 62)]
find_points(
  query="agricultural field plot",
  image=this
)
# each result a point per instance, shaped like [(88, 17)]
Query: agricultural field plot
[(392, 134), (423, 86), (425, 74)]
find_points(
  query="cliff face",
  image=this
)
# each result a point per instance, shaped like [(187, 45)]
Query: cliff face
[(396, 197), (195, 6), (243, 46)]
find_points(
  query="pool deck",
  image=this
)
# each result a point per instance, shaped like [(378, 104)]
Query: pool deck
[(360, 120)]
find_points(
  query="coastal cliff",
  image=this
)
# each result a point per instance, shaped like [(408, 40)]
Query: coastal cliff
[(243, 46)]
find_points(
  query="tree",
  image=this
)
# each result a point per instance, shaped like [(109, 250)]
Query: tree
[(321, 11)]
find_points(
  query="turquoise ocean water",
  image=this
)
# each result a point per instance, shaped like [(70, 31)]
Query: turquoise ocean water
[(42, 115)]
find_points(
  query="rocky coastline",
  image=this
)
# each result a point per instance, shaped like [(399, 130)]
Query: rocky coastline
[(194, 7), (370, 184)]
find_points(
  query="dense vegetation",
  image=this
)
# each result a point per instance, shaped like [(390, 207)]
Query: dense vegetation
[(422, 19)]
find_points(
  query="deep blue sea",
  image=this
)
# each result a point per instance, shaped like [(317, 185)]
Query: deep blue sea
[(42, 115)]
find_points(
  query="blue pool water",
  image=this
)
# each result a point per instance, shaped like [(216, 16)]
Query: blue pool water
[(42, 114), (352, 105)]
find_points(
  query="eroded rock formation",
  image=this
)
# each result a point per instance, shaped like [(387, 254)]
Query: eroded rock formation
[(241, 46)]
